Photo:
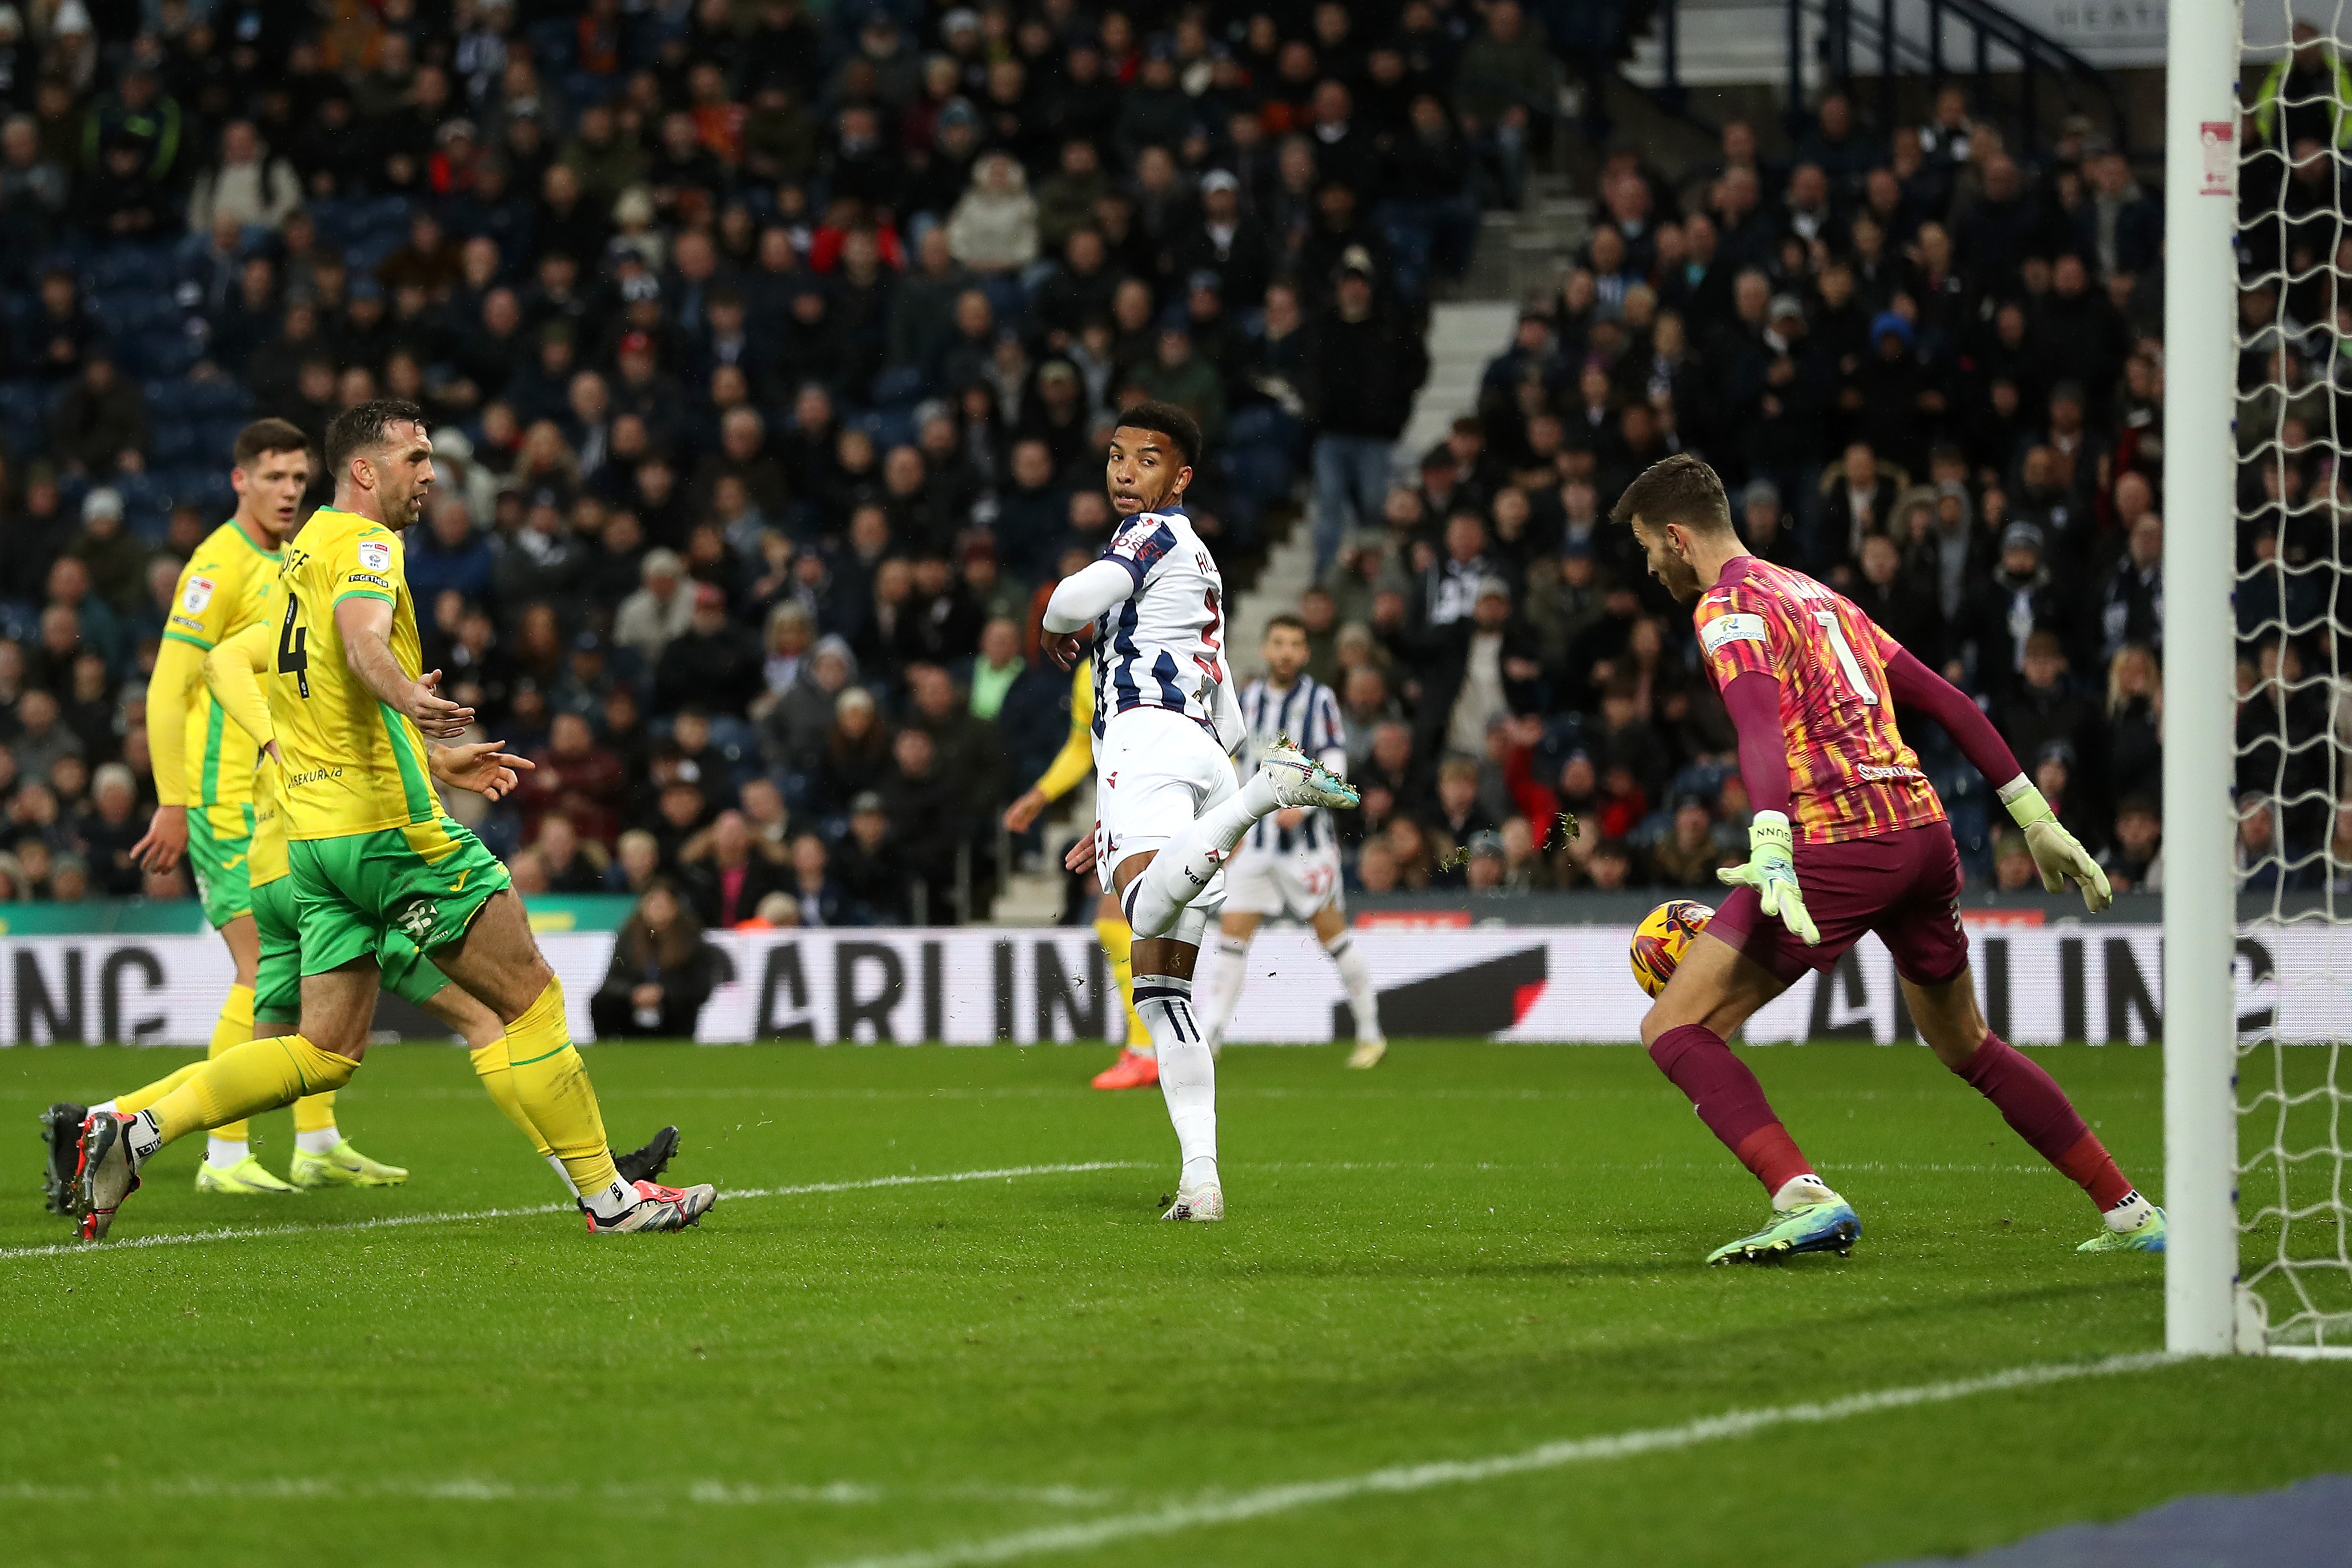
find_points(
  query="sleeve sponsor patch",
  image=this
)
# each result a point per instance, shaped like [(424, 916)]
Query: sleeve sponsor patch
[(376, 555), (369, 577), (1142, 541), (190, 622), (197, 594), (1739, 627)]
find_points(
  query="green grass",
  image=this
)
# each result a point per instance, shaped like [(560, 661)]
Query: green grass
[(1472, 1251)]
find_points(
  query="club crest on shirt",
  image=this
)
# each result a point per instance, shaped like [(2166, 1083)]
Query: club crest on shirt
[(197, 594), (376, 555)]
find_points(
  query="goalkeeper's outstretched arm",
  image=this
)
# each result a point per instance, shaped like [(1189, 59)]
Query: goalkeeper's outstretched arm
[(2057, 853)]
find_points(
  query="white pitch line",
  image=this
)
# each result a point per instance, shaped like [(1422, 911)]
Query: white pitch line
[(479, 1489), (394, 1221), (1214, 1508)]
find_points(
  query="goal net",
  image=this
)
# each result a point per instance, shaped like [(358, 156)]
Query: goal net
[(2293, 610)]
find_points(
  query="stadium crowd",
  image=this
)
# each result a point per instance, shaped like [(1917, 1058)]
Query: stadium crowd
[(769, 353), (768, 350), (1926, 364)]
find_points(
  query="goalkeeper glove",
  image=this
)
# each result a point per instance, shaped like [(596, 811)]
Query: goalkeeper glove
[(2057, 853), (1771, 871)]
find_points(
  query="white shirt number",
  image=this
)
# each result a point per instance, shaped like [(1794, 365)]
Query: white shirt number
[(1862, 689)]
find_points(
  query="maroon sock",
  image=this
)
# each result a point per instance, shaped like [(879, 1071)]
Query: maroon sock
[(2038, 1110), (1730, 1101)]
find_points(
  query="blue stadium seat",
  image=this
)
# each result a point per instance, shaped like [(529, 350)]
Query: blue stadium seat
[(126, 312), (160, 352), (174, 441), (146, 268)]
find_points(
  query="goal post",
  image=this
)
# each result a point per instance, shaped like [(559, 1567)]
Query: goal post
[(2258, 672), (2201, 146)]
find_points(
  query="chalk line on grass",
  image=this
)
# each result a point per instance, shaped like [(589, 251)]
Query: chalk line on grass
[(394, 1221), (1232, 1508), (481, 1488)]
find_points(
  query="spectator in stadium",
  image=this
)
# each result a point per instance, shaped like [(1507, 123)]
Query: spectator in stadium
[(662, 970)]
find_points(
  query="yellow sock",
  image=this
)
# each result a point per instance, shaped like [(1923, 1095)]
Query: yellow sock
[(246, 1079), (139, 1099), (233, 1028), (498, 1081), (314, 1112), (1119, 946), (551, 1089)]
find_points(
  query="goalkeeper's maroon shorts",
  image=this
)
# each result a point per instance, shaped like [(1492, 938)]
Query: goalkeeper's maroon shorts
[(1905, 885)]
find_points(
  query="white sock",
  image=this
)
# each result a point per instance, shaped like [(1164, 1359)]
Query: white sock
[(2130, 1214), (222, 1153), (1357, 976), (1217, 985), (1188, 1073), (106, 1106), (321, 1141), (1800, 1190), (614, 1201), (1180, 872), (142, 1137), (555, 1162)]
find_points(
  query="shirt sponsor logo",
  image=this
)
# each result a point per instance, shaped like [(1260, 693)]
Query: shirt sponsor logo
[(376, 555), (1885, 773), (1738, 628), (198, 593)]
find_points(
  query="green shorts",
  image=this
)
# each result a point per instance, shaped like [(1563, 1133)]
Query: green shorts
[(425, 882), (218, 839), (277, 982)]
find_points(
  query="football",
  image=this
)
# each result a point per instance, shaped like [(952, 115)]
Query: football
[(1659, 940)]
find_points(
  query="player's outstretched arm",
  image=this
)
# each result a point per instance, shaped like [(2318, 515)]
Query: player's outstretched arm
[(479, 766), (1079, 599), (2057, 853), (365, 622), (1753, 700), (179, 665), (233, 673)]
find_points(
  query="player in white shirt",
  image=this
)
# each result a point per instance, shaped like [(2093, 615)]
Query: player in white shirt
[(1289, 863), (1168, 809)]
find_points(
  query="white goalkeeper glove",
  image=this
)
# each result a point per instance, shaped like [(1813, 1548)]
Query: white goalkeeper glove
[(1771, 871), (2057, 853)]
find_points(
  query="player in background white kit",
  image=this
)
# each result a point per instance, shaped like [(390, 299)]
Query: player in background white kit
[(1289, 863), (1169, 811)]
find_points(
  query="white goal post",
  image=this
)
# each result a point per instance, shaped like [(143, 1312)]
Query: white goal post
[(2200, 151), (2258, 680)]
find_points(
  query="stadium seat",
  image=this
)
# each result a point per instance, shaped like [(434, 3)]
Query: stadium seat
[(173, 440)]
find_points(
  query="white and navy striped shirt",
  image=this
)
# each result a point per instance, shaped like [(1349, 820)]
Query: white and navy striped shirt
[(1308, 712), (1162, 646)]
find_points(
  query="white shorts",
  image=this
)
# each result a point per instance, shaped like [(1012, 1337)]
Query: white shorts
[(1155, 772), (1300, 883)]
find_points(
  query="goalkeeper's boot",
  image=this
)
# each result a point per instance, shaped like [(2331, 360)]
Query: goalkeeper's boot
[(2148, 1235), (658, 1207), (644, 1164), (1828, 1226), (105, 1172), (1133, 1069), (1369, 1052), (60, 1139), (1299, 779), (1198, 1204), (342, 1166), (246, 1179)]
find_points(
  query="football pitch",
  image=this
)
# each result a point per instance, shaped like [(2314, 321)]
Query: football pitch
[(1458, 1315)]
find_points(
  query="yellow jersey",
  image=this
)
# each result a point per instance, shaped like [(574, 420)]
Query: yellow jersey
[(1076, 758), (352, 764), (221, 592), (232, 674)]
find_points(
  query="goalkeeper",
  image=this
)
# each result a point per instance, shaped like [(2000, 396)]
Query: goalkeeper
[(1812, 684)]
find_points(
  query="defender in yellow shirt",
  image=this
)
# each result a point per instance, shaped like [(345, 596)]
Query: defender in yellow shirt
[(1138, 1066), (203, 768), (371, 851)]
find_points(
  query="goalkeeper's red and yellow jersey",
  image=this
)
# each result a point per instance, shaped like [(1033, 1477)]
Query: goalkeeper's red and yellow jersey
[(1849, 774), (352, 764)]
